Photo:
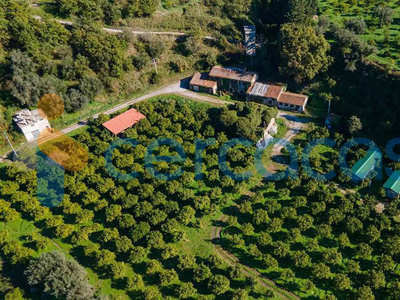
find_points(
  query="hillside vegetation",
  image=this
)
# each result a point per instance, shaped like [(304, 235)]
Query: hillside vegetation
[(378, 23)]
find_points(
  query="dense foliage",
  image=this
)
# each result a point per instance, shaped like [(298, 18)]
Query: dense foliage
[(132, 232), (107, 11), (86, 66), (59, 277), (315, 239), (303, 52)]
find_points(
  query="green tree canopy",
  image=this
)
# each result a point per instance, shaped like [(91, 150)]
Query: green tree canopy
[(303, 53)]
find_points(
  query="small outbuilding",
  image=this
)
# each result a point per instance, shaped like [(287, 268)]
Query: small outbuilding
[(124, 121), (201, 83), (31, 123), (392, 186), (250, 40), (292, 101), (365, 166)]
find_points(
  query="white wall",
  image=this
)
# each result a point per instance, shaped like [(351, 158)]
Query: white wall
[(41, 126)]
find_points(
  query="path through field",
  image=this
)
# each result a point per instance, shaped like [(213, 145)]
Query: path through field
[(232, 260), (295, 126)]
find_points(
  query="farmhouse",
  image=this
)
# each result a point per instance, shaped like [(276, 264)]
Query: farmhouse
[(292, 101), (201, 83), (233, 80), (276, 96), (392, 186), (124, 121), (238, 81), (31, 123), (265, 93), (365, 166)]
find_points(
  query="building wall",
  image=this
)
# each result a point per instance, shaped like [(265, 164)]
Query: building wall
[(285, 106), (232, 86), (29, 137), (37, 127), (43, 125), (28, 129), (262, 100), (274, 103), (202, 89), (391, 194)]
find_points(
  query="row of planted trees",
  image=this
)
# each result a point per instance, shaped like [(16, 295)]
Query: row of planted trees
[(132, 232)]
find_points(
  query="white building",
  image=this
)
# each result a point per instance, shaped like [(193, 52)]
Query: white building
[(31, 123)]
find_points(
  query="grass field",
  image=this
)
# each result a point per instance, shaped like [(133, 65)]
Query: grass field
[(388, 51)]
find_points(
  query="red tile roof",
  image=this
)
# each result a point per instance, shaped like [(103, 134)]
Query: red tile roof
[(124, 121), (266, 90), (274, 91), (294, 99), (199, 80)]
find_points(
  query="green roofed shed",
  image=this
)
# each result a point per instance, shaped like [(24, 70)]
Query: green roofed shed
[(392, 186), (365, 166)]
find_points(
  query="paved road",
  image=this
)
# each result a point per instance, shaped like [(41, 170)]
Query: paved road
[(178, 88), (232, 260)]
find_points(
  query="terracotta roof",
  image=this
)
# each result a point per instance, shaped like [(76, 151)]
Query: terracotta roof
[(201, 80), (274, 91), (291, 98), (124, 121), (235, 74), (266, 90)]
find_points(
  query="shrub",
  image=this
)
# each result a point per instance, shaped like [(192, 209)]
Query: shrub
[(356, 25), (60, 277)]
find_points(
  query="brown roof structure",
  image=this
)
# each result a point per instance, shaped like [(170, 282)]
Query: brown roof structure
[(124, 121), (274, 91), (294, 99), (234, 74), (202, 80), (266, 90)]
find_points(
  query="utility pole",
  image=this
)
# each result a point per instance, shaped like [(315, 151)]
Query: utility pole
[(8, 140), (155, 64), (329, 107)]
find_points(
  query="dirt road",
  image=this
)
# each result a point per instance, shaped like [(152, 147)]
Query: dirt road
[(232, 260), (294, 125), (135, 32)]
